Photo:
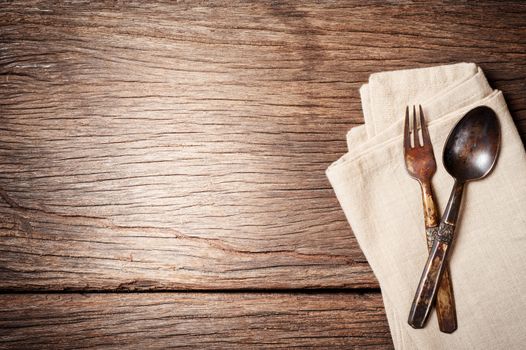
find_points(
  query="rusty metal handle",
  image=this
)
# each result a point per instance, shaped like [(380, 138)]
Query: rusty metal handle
[(445, 301), (436, 262), (429, 282), (445, 304)]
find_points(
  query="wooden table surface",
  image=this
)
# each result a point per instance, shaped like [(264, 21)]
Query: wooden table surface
[(162, 165)]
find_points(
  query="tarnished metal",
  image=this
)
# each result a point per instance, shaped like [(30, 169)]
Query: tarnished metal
[(445, 233), (420, 164), (431, 232), (470, 153)]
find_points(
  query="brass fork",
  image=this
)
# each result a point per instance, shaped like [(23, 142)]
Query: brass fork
[(421, 166)]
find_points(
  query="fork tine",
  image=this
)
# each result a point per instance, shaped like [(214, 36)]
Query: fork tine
[(407, 138), (416, 141), (425, 133)]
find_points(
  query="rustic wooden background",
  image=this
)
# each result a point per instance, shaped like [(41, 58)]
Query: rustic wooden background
[(162, 165)]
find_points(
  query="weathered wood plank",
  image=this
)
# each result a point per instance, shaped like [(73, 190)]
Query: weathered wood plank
[(162, 146), (211, 321), (42, 250)]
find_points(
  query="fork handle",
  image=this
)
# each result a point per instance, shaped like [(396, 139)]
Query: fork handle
[(429, 282), (436, 262), (445, 301), (445, 304), (430, 210)]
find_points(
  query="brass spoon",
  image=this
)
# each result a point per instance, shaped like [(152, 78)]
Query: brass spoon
[(470, 153)]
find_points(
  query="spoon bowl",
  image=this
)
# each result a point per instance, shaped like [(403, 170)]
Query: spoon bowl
[(472, 146)]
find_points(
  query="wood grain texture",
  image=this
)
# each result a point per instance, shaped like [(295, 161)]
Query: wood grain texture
[(187, 320), (183, 145)]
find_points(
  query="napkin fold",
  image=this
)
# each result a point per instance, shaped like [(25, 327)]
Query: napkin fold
[(383, 206)]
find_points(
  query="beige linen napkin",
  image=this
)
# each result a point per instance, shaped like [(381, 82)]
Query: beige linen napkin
[(383, 205)]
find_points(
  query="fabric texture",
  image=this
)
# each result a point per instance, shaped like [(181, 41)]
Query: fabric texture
[(384, 208)]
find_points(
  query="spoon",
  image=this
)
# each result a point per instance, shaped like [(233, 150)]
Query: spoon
[(470, 153)]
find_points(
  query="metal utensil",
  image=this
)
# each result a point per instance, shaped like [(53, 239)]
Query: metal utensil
[(421, 166), (470, 153)]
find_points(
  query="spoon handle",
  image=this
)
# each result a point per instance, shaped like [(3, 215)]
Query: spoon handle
[(436, 262)]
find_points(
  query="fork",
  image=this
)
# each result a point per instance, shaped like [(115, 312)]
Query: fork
[(421, 166)]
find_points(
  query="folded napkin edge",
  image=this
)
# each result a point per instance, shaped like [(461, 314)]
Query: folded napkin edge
[(350, 156), (376, 75)]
